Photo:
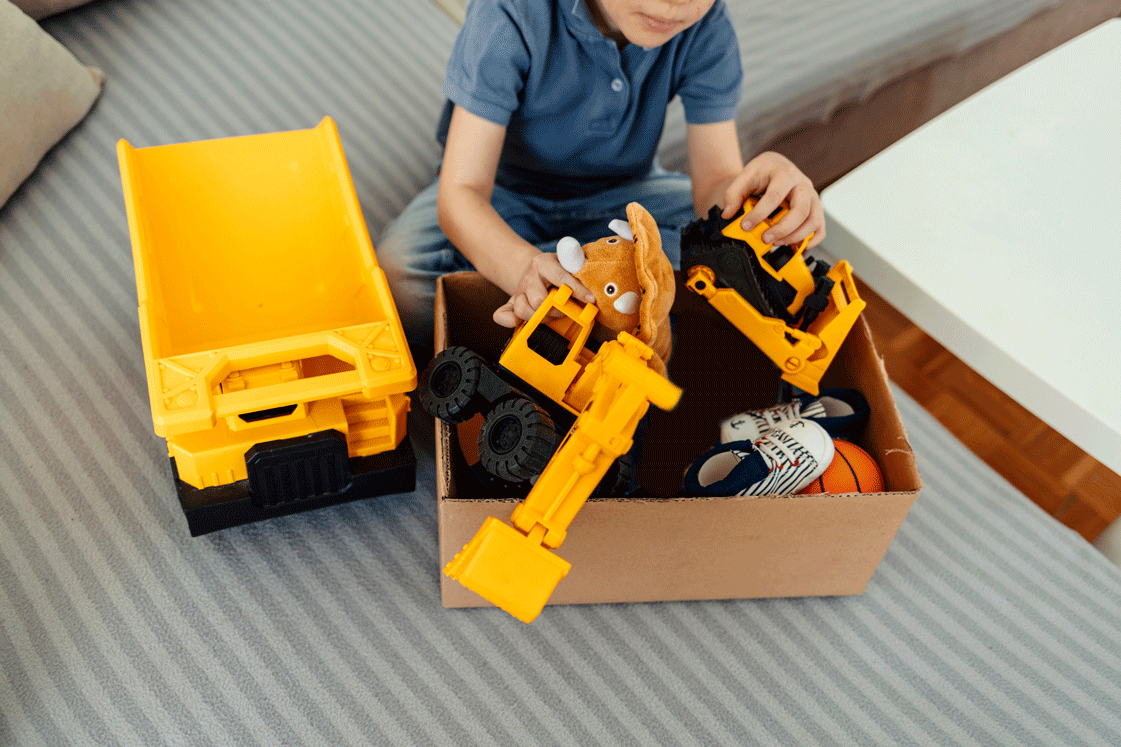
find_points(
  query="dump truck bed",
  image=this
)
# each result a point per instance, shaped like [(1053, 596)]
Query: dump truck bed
[(252, 251)]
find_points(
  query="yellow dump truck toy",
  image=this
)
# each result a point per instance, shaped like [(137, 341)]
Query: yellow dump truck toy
[(277, 365), (607, 390), (796, 310)]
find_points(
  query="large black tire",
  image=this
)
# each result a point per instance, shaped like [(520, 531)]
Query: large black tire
[(448, 385), (517, 440)]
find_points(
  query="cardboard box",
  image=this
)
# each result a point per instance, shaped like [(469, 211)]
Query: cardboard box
[(674, 548)]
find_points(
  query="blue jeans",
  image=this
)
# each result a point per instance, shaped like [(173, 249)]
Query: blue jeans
[(413, 251)]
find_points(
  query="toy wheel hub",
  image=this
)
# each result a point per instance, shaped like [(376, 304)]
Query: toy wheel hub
[(445, 379), (505, 435)]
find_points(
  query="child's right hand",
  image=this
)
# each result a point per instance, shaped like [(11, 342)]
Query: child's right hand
[(543, 272), (778, 180)]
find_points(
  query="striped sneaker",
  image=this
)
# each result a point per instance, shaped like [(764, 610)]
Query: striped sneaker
[(842, 412), (785, 459)]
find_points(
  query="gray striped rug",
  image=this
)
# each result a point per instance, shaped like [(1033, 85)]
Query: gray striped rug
[(986, 624)]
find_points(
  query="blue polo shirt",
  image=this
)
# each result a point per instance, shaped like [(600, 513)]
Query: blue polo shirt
[(580, 114)]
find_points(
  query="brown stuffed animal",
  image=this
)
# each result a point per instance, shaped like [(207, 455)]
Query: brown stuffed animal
[(631, 278)]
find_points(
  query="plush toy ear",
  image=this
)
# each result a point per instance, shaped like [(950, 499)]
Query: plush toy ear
[(655, 275), (570, 254)]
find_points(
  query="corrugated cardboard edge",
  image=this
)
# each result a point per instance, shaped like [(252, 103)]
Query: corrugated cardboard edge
[(706, 548), (885, 432), (443, 435)]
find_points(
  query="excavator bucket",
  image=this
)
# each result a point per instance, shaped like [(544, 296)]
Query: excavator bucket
[(508, 569)]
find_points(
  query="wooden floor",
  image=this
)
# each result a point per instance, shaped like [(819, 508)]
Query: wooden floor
[(1063, 480)]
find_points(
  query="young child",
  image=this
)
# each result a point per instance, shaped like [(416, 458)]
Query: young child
[(554, 112)]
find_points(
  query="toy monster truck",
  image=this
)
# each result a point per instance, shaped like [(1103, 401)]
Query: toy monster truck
[(608, 391)]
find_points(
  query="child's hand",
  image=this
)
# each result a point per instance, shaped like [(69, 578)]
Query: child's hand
[(543, 272), (777, 179)]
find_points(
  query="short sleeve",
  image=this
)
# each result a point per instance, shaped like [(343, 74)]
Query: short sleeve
[(711, 75), (489, 62)]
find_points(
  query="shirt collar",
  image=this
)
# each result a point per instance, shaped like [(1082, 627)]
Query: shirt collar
[(580, 21)]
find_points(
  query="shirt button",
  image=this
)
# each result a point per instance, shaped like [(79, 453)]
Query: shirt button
[(616, 85)]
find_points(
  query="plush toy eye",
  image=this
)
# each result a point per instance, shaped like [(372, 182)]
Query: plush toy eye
[(613, 240), (610, 290)]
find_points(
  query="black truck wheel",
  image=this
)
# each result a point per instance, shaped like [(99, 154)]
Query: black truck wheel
[(448, 385), (517, 441)]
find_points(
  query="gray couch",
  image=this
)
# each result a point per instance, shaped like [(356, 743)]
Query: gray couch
[(986, 623)]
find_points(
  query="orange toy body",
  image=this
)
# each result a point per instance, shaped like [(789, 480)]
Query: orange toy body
[(851, 471)]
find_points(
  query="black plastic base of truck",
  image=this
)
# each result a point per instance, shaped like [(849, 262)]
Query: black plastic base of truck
[(224, 506)]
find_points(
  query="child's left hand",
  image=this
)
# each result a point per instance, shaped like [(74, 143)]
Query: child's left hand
[(777, 179)]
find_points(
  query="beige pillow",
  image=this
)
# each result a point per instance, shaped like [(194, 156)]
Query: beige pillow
[(44, 8), (456, 9), (44, 92)]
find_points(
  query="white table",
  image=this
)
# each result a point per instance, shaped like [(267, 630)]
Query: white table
[(996, 228)]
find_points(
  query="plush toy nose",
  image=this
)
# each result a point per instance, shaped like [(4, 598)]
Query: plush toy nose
[(627, 303)]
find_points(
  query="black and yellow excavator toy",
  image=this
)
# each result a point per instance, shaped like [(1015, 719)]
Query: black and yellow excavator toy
[(796, 310)]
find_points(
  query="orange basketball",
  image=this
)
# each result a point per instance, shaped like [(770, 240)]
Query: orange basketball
[(851, 471)]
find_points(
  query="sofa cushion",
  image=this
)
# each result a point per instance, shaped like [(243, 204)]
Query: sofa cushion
[(44, 92)]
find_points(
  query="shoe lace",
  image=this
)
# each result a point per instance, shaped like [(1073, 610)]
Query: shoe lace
[(772, 416), (780, 448)]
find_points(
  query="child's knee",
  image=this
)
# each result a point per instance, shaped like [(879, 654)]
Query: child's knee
[(392, 258)]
